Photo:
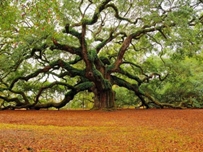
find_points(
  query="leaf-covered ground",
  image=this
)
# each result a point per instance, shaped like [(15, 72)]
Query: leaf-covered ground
[(100, 131)]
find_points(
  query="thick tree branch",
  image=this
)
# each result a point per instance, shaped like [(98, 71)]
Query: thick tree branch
[(22, 94), (147, 77), (50, 86), (121, 53), (135, 35), (84, 50), (152, 100), (67, 48), (68, 96), (131, 76), (141, 94), (7, 99), (70, 30), (123, 83), (56, 65)]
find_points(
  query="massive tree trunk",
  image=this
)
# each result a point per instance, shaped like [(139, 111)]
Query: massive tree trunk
[(104, 99), (104, 96)]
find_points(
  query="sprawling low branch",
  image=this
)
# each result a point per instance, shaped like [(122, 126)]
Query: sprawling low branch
[(152, 100), (141, 93), (68, 96), (16, 100), (50, 86), (22, 94), (7, 99), (56, 65), (136, 78)]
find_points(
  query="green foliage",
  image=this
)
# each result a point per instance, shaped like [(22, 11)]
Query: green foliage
[(82, 100), (92, 55), (125, 97), (184, 83)]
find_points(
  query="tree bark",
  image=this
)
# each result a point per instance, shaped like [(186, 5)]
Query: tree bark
[(104, 99)]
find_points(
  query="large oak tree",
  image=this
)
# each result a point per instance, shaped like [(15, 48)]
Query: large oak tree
[(62, 47)]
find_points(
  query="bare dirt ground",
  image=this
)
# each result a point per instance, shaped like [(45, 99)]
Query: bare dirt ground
[(99, 131)]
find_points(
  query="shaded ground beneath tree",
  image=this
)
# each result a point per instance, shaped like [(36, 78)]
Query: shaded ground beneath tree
[(100, 131)]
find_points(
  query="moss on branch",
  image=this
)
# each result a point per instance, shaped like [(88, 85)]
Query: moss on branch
[(92, 55), (68, 96), (65, 47), (123, 83), (131, 76), (141, 94), (105, 60), (84, 86), (56, 65), (72, 31)]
